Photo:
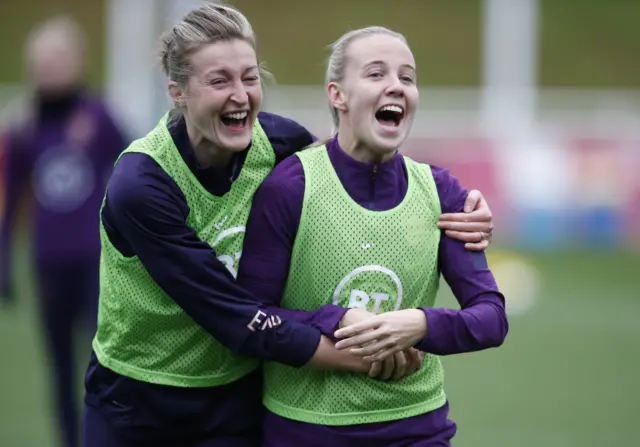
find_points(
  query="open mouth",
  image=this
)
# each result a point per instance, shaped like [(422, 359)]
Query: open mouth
[(235, 120), (390, 115)]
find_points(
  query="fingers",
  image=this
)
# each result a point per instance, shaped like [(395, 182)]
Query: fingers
[(414, 361), (387, 368), (412, 358), (467, 227), (376, 346), (477, 246), (401, 365), (418, 357), (357, 340), (382, 355), (465, 236), (375, 370), (472, 201), (397, 365), (476, 216), (354, 329)]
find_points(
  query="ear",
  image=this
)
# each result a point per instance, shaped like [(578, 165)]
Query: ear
[(177, 95), (336, 97)]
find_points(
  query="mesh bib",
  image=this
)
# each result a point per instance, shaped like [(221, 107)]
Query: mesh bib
[(353, 257), (142, 333)]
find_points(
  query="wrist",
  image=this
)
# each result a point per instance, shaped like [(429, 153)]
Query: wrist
[(353, 315), (421, 324), (342, 321)]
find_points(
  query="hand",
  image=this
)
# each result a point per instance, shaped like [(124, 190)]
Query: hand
[(353, 316), (398, 366), (474, 226), (393, 366), (383, 335)]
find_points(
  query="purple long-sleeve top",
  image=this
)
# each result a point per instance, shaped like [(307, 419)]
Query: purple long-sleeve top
[(271, 231), (145, 215), (63, 154)]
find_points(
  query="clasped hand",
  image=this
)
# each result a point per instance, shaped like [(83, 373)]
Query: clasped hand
[(386, 340)]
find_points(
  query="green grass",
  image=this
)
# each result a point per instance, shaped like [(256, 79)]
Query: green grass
[(565, 377)]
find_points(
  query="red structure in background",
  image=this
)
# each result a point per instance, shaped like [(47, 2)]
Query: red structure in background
[(473, 161)]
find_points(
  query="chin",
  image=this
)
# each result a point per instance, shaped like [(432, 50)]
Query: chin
[(387, 145), (234, 141), (236, 144)]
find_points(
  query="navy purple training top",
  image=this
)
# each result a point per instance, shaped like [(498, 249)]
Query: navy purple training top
[(271, 232), (138, 410)]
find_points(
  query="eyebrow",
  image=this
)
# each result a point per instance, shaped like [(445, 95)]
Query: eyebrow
[(409, 66), (226, 71)]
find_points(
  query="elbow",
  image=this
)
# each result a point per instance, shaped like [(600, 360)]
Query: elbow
[(499, 334)]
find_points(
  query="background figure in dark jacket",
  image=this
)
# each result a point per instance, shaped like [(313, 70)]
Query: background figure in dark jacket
[(59, 155)]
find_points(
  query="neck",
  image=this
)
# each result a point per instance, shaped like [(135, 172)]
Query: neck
[(207, 154), (360, 151)]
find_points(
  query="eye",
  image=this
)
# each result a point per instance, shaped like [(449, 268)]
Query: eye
[(252, 78), (375, 75), (217, 82), (407, 79)]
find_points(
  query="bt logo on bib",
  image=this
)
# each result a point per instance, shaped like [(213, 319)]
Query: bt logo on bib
[(371, 287)]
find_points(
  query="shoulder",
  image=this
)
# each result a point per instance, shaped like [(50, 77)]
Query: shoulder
[(138, 183), (285, 135), (285, 182), (450, 191)]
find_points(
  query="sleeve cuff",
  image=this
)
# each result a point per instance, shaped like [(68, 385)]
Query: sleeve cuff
[(302, 349), (427, 344), (330, 316)]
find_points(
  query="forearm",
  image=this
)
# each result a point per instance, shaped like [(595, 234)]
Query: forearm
[(232, 315), (266, 278), (481, 322), (328, 357), (268, 245), (151, 219), (480, 326), (325, 319)]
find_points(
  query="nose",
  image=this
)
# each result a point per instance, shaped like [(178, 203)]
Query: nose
[(239, 94), (395, 87)]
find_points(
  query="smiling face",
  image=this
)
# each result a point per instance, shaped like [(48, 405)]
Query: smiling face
[(377, 96), (223, 94)]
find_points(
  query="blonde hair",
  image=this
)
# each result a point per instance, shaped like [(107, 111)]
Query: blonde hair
[(339, 58), (207, 24)]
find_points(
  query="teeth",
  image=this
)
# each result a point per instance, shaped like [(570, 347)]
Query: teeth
[(396, 109), (236, 116)]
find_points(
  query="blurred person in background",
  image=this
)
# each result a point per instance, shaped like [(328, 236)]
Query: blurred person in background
[(354, 223), (59, 156), (178, 347)]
